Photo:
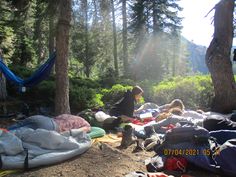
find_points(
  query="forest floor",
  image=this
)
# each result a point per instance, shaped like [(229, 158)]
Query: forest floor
[(101, 160)]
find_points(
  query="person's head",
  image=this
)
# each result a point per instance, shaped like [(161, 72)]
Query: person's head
[(137, 92), (177, 103)]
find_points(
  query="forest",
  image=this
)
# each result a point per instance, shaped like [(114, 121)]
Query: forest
[(102, 48)]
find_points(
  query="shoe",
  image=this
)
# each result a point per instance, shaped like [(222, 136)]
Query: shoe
[(139, 146), (127, 137), (151, 142), (149, 131)]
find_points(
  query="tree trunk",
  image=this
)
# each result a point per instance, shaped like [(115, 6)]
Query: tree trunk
[(155, 23), (218, 58), (52, 6), (124, 37), (114, 39), (51, 38), (38, 33), (3, 90), (87, 66), (62, 49)]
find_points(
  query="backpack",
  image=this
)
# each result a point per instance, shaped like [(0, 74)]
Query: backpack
[(190, 142), (194, 134), (225, 157)]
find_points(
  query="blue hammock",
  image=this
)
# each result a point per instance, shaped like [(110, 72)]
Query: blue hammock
[(39, 75)]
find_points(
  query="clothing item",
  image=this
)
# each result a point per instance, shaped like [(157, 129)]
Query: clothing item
[(146, 106), (124, 106), (223, 135), (67, 122), (193, 114), (35, 122), (101, 116), (165, 124), (64, 122)]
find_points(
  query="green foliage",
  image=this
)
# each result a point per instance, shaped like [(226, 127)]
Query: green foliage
[(84, 82), (24, 35), (83, 97), (147, 86), (84, 93), (41, 95), (124, 81), (46, 90), (195, 91), (21, 71), (108, 78)]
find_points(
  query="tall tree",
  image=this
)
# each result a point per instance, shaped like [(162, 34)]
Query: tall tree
[(52, 9), (62, 49), (218, 58), (165, 15), (151, 22), (138, 23), (3, 91), (125, 38), (84, 40), (87, 65), (114, 39), (39, 30), (22, 24)]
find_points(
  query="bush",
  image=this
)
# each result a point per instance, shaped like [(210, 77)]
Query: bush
[(82, 98), (46, 90), (195, 91), (84, 93), (79, 82), (22, 71)]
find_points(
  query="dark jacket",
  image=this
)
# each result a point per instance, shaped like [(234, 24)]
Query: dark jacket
[(124, 106)]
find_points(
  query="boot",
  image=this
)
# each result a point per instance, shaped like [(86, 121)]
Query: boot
[(139, 146), (152, 138), (149, 131), (127, 137)]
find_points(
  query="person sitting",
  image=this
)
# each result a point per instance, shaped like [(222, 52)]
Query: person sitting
[(61, 123), (125, 106)]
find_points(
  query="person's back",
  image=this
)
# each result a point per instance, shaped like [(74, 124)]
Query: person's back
[(125, 106)]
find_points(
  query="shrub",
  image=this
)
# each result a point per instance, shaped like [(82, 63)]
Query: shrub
[(195, 91), (80, 82), (82, 98), (21, 71), (46, 90)]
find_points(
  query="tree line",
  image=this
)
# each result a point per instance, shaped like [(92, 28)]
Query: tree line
[(139, 40), (116, 37)]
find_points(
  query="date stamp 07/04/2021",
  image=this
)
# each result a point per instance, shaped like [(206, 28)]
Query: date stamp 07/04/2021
[(189, 152)]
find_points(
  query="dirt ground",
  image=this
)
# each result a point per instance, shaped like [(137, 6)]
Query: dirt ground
[(101, 160), (107, 161)]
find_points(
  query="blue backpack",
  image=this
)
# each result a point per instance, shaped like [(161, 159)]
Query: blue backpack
[(225, 157), (191, 142)]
